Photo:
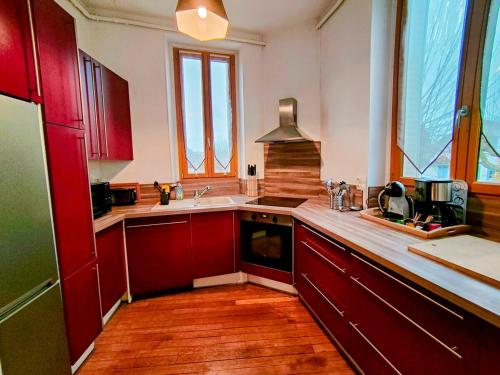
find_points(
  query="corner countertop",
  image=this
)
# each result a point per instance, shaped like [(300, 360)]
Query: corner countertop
[(383, 245)]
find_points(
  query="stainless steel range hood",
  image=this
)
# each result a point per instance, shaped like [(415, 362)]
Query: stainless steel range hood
[(288, 130)]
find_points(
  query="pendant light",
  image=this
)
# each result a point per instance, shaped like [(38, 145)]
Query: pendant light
[(202, 19)]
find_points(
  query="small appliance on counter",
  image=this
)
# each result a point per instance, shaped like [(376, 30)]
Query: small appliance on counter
[(101, 198), (394, 203), (445, 201), (123, 196)]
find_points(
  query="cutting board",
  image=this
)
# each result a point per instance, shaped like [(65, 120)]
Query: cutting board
[(473, 256)]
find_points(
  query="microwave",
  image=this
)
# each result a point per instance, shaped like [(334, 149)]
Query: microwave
[(123, 197), (101, 198)]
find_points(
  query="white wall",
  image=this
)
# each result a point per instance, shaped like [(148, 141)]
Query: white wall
[(340, 76), (345, 91), (291, 69), (143, 57)]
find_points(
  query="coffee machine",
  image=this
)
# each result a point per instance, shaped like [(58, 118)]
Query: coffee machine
[(444, 200)]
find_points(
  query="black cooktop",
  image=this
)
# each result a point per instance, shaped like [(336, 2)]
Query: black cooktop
[(278, 201)]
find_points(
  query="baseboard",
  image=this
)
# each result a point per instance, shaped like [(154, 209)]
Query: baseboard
[(277, 285), (82, 359), (110, 313), (231, 278)]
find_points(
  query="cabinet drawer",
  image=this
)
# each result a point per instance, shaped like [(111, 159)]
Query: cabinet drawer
[(406, 344), (330, 249), (331, 278), (449, 326), (331, 315), (367, 356)]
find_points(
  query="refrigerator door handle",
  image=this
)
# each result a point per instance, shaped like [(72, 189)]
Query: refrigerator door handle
[(25, 298)]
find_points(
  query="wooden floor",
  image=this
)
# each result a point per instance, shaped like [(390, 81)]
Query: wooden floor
[(243, 329)]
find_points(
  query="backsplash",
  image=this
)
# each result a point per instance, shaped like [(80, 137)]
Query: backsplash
[(292, 169)]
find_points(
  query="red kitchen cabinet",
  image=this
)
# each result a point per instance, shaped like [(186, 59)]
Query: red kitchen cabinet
[(17, 66), (89, 105), (117, 127), (489, 362), (106, 111), (71, 201), (213, 243), (58, 63), (159, 254), (82, 309), (111, 260)]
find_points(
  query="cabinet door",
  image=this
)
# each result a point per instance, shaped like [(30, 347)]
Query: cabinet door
[(17, 68), (213, 243), (70, 198), (117, 127), (82, 310), (159, 254), (489, 362), (57, 51), (97, 69), (89, 105), (111, 260)]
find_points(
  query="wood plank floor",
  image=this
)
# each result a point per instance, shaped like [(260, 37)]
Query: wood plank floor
[(240, 329)]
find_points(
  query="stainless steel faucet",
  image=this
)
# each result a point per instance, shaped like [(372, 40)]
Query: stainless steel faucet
[(199, 193)]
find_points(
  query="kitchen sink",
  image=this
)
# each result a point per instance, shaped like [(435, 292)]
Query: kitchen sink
[(215, 201), (190, 203)]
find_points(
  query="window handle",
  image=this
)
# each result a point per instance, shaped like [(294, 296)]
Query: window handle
[(463, 111)]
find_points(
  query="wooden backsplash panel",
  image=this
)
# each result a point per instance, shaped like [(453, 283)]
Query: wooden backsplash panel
[(483, 214), (292, 169)]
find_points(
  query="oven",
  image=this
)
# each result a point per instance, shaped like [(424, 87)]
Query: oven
[(266, 240)]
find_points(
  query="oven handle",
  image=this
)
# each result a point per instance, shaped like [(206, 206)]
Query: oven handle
[(263, 222)]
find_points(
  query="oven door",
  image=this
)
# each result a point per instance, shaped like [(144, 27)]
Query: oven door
[(268, 245)]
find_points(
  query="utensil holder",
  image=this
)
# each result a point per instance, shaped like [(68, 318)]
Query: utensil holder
[(164, 198), (252, 186)]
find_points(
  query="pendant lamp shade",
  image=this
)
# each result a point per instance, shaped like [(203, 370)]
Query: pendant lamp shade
[(202, 19)]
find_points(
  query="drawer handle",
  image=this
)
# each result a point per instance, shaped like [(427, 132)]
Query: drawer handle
[(156, 225), (355, 326), (343, 270), (341, 313), (409, 287), (323, 237), (451, 350)]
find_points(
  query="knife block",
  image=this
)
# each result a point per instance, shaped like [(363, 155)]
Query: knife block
[(252, 186)]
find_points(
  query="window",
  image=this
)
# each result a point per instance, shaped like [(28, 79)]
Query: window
[(206, 113), (446, 119)]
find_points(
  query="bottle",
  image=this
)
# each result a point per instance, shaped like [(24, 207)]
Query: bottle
[(179, 192)]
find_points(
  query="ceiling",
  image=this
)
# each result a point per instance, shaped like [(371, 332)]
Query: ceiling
[(256, 16)]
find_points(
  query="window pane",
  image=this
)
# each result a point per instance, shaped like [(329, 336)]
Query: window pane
[(221, 115), (431, 45), (192, 111), (489, 161)]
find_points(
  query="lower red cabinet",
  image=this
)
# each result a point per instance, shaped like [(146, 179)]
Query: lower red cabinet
[(213, 243), (159, 253), (111, 259), (489, 362), (384, 322), (82, 309)]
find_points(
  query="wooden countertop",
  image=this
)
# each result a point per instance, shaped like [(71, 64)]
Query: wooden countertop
[(377, 242)]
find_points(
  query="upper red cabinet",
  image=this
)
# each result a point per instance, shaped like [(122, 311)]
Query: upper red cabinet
[(117, 126), (57, 51), (17, 67), (70, 198), (106, 111)]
